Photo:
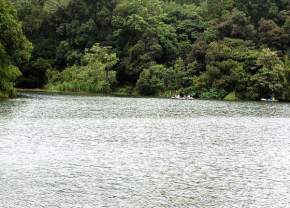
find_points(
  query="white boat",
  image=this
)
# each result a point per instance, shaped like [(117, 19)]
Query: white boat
[(178, 97), (269, 100)]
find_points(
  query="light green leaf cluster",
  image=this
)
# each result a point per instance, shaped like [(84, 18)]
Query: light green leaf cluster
[(94, 75), (52, 6)]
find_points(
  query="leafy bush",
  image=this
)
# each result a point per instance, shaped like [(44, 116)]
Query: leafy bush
[(231, 97), (151, 81), (213, 94), (94, 75), (14, 48)]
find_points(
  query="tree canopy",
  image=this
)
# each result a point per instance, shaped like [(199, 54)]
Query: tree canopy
[(206, 48), (14, 48)]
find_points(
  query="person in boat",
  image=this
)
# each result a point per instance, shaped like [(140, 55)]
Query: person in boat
[(270, 98), (189, 97), (177, 96)]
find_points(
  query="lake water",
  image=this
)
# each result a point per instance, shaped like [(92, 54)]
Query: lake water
[(63, 151)]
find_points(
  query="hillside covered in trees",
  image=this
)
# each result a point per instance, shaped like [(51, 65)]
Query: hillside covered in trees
[(206, 48)]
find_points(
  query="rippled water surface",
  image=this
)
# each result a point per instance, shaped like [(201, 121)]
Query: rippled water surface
[(60, 151)]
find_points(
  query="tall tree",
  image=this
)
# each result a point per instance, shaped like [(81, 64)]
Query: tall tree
[(14, 48)]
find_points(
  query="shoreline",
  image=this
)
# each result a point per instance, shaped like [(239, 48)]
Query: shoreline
[(37, 90), (113, 94)]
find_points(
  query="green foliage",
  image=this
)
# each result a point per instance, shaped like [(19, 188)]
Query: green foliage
[(235, 66), (232, 49), (14, 48), (273, 35), (213, 94), (125, 90), (151, 81), (141, 37), (271, 77), (231, 97), (52, 6), (94, 75), (215, 7), (258, 9), (236, 24), (60, 32)]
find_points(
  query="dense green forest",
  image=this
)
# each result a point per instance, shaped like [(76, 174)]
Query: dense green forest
[(213, 49)]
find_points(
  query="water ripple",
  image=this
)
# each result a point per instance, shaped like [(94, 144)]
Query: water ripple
[(87, 152)]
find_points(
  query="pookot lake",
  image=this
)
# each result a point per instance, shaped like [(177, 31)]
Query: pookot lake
[(66, 151)]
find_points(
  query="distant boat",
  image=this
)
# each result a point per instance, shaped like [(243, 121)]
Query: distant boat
[(269, 100), (178, 97)]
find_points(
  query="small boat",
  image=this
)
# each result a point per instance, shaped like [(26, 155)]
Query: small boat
[(269, 100), (178, 97)]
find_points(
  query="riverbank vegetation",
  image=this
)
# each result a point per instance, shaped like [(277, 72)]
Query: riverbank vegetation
[(213, 49), (14, 48)]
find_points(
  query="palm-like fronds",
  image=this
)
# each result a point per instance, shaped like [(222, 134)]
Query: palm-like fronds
[(51, 6)]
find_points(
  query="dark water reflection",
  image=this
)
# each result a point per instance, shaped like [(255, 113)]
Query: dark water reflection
[(79, 152)]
